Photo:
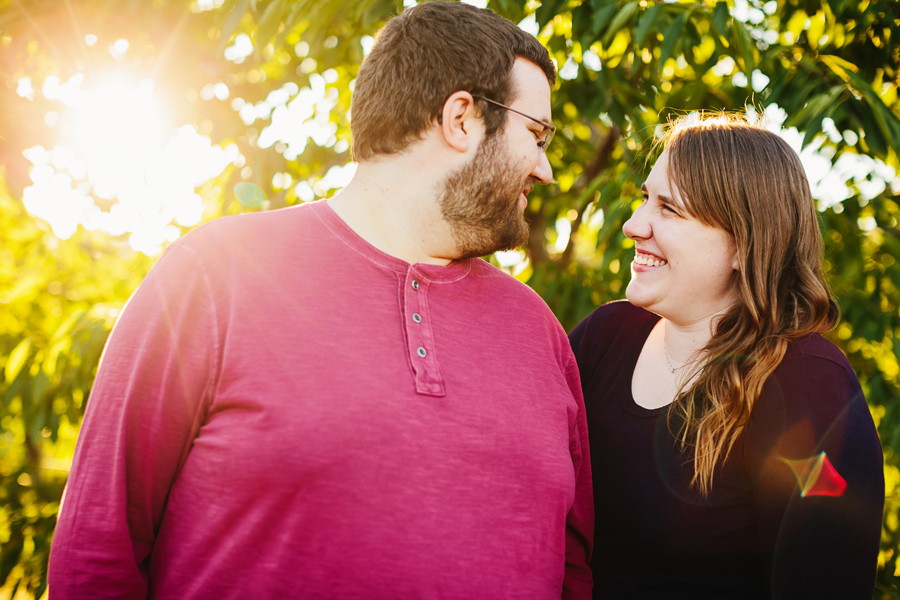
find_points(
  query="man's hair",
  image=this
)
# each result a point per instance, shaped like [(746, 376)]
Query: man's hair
[(424, 55)]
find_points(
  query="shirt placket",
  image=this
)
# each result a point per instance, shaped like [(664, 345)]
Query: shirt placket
[(420, 335)]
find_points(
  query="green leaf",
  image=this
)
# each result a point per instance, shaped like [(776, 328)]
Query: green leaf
[(647, 20), (744, 47), (720, 18), (601, 18), (815, 108), (231, 23), (620, 20), (547, 10), (842, 68), (269, 23), (671, 36), (17, 359)]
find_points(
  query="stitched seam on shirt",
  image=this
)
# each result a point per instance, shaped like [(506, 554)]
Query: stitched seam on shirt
[(402, 303), (461, 276), (578, 379), (437, 365), (371, 259), (212, 386), (804, 355), (375, 260)]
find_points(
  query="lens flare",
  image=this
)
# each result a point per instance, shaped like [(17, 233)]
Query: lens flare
[(249, 194), (816, 476)]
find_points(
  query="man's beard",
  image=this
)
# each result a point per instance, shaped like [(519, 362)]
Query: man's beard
[(480, 202)]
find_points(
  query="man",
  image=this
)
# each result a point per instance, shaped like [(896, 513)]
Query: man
[(339, 400)]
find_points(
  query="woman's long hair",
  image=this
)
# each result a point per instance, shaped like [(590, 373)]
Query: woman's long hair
[(746, 180)]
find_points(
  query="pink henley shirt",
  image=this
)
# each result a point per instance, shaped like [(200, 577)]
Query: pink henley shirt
[(284, 411)]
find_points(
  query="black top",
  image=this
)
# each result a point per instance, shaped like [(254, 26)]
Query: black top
[(754, 536)]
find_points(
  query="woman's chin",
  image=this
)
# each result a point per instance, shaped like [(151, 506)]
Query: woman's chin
[(634, 294)]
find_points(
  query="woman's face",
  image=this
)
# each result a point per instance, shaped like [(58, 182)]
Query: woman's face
[(682, 270)]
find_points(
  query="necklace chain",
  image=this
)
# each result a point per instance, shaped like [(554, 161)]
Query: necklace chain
[(669, 362)]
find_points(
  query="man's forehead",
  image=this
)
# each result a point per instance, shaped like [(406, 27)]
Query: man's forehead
[(531, 90)]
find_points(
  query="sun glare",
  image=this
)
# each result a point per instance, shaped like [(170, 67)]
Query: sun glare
[(119, 125), (118, 131), (115, 144)]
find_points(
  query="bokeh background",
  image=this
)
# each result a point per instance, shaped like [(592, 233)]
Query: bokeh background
[(125, 123)]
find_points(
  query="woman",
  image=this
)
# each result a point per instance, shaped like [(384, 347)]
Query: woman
[(732, 449)]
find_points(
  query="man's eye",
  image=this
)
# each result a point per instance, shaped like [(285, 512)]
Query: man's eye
[(670, 209)]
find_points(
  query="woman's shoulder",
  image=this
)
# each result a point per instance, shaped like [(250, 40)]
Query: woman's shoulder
[(814, 349), (812, 360), (814, 385), (616, 315), (608, 324)]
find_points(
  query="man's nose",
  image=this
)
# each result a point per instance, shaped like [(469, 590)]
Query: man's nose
[(543, 172)]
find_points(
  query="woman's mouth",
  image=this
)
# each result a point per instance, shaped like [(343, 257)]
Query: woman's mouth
[(648, 260)]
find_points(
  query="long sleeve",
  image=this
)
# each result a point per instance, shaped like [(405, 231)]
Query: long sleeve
[(148, 401), (578, 581), (818, 539)]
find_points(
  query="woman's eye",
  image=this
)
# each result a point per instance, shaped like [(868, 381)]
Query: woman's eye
[(670, 209)]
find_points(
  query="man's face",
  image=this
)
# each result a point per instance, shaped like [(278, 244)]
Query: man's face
[(484, 201), (481, 202)]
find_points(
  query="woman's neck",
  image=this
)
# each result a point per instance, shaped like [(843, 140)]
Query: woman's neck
[(684, 340)]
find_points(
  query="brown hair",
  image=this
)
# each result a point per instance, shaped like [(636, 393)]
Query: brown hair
[(423, 56), (746, 180)]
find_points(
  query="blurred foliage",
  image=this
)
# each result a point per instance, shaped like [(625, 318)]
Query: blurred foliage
[(59, 300), (627, 65)]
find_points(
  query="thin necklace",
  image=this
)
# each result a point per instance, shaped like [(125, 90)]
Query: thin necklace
[(669, 362)]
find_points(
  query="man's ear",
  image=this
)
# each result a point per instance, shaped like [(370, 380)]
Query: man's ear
[(460, 122)]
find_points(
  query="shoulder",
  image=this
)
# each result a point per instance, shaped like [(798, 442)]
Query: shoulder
[(814, 374), (619, 313), (813, 404), (608, 323), (510, 288), (816, 351), (609, 334), (813, 398), (229, 245), (522, 309), (246, 233), (512, 295)]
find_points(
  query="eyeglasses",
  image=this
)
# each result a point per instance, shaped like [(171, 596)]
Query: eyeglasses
[(548, 126)]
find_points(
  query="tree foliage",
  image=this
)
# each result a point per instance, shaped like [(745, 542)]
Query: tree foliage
[(626, 66)]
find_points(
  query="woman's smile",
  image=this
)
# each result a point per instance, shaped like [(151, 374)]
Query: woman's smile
[(651, 261)]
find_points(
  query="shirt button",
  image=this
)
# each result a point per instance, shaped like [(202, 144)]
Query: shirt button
[(415, 284), (417, 317), (421, 352)]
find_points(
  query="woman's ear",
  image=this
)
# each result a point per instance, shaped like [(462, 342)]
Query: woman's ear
[(460, 122)]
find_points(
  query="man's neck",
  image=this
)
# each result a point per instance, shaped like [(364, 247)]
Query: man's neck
[(393, 204)]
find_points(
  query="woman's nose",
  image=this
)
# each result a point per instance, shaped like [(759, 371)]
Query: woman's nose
[(637, 227)]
